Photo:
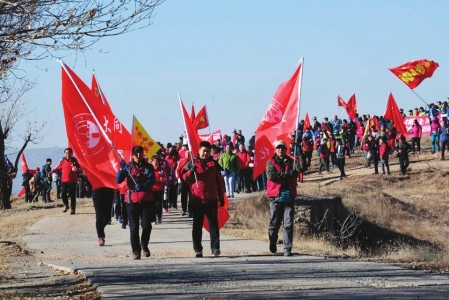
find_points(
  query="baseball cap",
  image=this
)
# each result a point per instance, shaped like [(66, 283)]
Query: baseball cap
[(280, 143)]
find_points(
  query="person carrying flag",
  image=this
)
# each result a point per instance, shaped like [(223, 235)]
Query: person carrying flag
[(139, 176), (206, 186)]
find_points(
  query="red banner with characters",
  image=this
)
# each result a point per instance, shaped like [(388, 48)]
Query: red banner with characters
[(422, 120)]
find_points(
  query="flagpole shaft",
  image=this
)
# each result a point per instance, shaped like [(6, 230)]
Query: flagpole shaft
[(301, 61), (419, 97)]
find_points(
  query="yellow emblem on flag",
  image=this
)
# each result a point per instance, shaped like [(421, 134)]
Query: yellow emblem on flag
[(141, 137)]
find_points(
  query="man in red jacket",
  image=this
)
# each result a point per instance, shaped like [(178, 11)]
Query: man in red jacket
[(69, 177), (244, 172), (139, 177), (281, 191), (206, 190)]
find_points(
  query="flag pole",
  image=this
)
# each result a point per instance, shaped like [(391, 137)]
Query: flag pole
[(301, 62), (92, 113), (419, 97), (188, 138)]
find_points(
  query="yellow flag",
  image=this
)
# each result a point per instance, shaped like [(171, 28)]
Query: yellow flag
[(140, 137)]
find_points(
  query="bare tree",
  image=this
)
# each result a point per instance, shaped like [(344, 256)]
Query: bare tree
[(13, 108), (35, 29)]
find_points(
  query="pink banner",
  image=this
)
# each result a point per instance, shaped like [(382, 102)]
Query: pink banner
[(422, 120)]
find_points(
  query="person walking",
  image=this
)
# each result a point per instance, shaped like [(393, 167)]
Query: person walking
[(403, 150), (374, 151), (206, 189), (230, 165), (435, 131), (102, 198), (324, 157), (47, 178), (384, 152), (444, 137), (281, 192), (244, 159), (70, 169), (416, 132), (160, 181), (139, 177), (340, 156)]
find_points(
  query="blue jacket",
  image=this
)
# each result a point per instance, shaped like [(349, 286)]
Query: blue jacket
[(445, 133)]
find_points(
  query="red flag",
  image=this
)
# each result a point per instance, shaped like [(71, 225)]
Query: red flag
[(306, 122), (222, 215), (117, 133), (351, 107), (192, 135), (24, 163), (341, 102), (192, 113), (201, 120), (393, 113), (280, 120), (412, 73), (86, 135)]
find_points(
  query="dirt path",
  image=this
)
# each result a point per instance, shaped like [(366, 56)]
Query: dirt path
[(245, 270)]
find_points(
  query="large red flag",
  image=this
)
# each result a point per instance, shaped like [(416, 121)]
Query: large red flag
[(192, 135), (280, 120), (116, 131), (351, 107), (393, 113), (412, 73), (201, 119), (341, 102), (85, 133), (306, 122)]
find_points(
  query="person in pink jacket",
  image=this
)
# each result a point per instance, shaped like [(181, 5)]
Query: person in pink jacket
[(416, 132), (244, 159)]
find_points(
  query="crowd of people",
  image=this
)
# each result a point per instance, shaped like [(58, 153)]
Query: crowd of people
[(150, 186)]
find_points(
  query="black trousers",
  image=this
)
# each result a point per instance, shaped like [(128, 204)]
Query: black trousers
[(173, 195), (58, 189), (375, 162), (210, 210), (403, 162), (184, 196), (444, 145), (245, 181), (341, 166), (69, 189), (117, 204), (102, 198), (308, 158), (416, 141), (158, 197), (46, 191), (143, 212)]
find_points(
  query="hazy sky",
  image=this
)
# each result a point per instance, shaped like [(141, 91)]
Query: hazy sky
[(232, 55)]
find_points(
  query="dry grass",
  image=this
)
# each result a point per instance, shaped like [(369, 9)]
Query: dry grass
[(412, 208)]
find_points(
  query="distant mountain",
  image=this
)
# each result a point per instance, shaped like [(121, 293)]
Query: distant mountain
[(36, 158)]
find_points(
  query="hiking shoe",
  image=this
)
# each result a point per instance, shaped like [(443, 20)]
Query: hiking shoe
[(101, 242), (159, 221), (119, 219), (72, 212), (66, 208), (123, 225), (199, 254), (273, 247), (146, 251), (165, 210), (216, 253), (183, 213), (136, 256), (288, 253)]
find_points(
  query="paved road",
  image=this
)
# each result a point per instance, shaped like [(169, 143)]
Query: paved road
[(246, 270)]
